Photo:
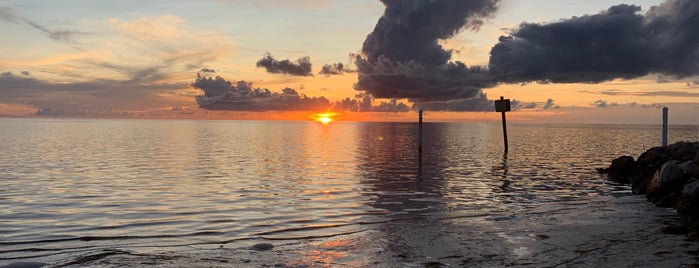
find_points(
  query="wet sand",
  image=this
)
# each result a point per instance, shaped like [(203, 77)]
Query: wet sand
[(623, 231)]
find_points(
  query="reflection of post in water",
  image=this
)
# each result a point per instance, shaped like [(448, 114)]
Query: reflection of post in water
[(505, 182), (419, 145)]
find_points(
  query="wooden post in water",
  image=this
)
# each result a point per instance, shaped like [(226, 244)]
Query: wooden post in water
[(665, 117), (503, 105), (419, 144)]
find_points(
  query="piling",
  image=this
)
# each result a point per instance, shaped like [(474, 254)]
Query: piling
[(419, 143), (504, 132), (665, 117), (503, 105)]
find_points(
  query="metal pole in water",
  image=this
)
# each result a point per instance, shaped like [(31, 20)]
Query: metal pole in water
[(665, 116)]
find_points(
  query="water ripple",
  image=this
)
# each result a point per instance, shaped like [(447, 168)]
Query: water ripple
[(72, 191)]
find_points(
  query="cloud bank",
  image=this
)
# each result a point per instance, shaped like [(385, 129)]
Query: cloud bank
[(365, 103), (616, 43), (221, 94), (402, 57), (90, 97)]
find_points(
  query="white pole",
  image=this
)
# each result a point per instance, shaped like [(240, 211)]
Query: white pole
[(665, 112)]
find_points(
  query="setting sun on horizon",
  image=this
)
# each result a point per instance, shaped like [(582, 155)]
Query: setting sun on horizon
[(325, 117)]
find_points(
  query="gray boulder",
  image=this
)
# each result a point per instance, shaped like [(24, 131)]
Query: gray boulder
[(691, 190), (690, 168), (661, 187)]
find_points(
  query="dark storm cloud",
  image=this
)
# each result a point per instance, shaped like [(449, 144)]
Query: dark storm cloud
[(402, 57), (207, 70), (334, 69), (220, 94), (302, 66), (65, 35), (616, 43)]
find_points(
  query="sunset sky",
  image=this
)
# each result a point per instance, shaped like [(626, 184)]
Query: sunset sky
[(139, 59)]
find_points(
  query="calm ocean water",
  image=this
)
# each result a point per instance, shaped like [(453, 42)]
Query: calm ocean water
[(108, 193)]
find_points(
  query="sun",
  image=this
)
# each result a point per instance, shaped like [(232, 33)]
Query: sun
[(324, 118)]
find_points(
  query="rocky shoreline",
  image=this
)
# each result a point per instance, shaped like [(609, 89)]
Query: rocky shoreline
[(668, 176)]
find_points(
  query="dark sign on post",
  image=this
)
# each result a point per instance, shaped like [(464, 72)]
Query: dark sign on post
[(502, 105)]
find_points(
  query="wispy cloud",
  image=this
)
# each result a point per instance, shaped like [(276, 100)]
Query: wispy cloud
[(134, 65), (59, 34), (657, 93), (165, 39), (287, 4)]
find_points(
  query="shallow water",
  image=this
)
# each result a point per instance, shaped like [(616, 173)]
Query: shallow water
[(102, 192)]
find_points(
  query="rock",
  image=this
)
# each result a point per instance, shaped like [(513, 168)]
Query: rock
[(653, 159), (621, 169), (433, 264), (639, 187), (647, 164), (24, 265), (690, 168), (667, 175), (691, 190), (665, 201), (262, 246), (667, 179), (688, 210)]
